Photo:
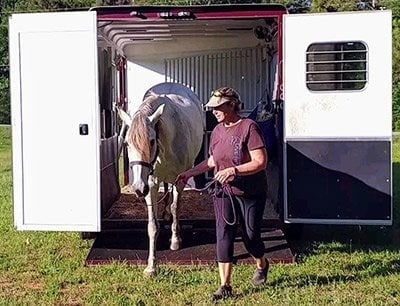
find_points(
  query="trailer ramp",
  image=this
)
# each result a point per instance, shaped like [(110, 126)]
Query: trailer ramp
[(198, 247)]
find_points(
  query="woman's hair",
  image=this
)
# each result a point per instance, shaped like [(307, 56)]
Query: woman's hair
[(231, 94)]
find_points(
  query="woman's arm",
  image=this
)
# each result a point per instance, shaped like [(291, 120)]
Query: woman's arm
[(204, 166), (257, 163)]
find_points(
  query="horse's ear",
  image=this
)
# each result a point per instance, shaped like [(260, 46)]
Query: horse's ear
[(156, 115), (124, 116)]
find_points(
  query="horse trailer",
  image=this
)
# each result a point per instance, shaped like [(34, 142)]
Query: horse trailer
[(319, 85)]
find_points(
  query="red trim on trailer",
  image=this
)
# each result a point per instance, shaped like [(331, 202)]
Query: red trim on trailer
[(123, 103), (279, 92), (122, 83), (197, 16), (150, 13)]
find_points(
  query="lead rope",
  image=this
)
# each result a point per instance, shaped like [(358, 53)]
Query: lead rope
[(206, 187), (226, 190)]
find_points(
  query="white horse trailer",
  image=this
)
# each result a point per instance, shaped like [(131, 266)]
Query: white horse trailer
[(321, 83)]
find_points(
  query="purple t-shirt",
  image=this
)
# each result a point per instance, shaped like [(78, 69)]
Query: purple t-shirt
[(231, 146)]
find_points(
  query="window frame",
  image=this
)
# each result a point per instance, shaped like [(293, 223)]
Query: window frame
[(339, 77)]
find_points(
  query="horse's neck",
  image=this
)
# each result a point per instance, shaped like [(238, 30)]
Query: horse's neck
[(169, 129)]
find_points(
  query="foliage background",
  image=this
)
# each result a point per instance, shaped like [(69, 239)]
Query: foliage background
[(7, 7)]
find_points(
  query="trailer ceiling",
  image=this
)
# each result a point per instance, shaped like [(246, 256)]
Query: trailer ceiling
[(149, 31)]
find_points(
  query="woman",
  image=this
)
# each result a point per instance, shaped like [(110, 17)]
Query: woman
[(239, 158)]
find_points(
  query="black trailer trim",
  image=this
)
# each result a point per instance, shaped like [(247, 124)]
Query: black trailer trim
[(339, 180)]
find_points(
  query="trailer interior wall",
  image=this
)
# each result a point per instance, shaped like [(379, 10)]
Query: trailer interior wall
[(202, 55), (109, 161)]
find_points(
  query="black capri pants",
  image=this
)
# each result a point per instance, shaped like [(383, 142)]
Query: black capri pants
[(249, 213)]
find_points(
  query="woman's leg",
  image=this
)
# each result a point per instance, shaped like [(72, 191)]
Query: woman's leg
[(225, 273), (225, 234), (251, 215)]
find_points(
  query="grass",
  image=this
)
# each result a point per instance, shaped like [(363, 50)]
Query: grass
[(46, 268)]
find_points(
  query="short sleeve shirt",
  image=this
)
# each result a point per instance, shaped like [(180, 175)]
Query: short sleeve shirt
[(231, 146)]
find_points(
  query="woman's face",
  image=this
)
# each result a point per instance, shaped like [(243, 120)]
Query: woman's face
[(224, 112)]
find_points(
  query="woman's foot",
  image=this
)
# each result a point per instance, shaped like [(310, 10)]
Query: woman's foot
[(260, 275), (223, 292)]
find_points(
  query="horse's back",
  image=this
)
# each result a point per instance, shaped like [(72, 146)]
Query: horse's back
[(169, 88), (184, 101), (184, 124)]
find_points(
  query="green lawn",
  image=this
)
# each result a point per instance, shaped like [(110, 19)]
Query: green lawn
[(344, 268)]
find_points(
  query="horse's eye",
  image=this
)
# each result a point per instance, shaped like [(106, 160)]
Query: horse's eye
[(152, 142)]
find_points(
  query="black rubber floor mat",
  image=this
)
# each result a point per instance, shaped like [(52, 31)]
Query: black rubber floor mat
[(198, 248)]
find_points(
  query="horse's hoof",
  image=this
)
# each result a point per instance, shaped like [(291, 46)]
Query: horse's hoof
[(150, 272), (175, 245)]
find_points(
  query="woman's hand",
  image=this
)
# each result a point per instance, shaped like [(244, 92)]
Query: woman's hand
[(204, 166), (225, 175), (182, 179)]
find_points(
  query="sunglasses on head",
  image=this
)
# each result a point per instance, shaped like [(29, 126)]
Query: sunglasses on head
[(219, 94)]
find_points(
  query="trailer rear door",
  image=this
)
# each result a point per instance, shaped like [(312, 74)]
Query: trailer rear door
[(55, 121), (337, 118)]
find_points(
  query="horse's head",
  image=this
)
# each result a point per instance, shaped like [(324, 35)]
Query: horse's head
[(141, 139)]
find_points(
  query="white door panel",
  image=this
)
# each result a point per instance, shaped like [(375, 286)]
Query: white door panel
[(54, 89), (337, 141), (347, 114)]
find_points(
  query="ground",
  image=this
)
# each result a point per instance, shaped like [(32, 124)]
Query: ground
[(194, 205)]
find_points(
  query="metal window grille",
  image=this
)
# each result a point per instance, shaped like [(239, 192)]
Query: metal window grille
[(336, 66)]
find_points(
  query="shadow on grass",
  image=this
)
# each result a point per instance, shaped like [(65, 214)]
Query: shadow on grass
[(367, 269), (347, 238), (352, 272), (317, 239)]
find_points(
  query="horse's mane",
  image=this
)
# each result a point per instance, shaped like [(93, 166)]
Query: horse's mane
[(139, 134)]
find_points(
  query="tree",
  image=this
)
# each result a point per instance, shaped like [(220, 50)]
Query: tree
[(5, 117), (294, 6), (5, 113), (6, 8), (319, 6), (394, 5)]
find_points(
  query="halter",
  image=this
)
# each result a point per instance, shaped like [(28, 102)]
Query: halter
[(146, 164)]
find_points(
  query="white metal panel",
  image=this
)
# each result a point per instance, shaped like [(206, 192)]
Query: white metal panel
[(244, 69), (54, 89), (247, 70), (339, 114), (142, 75)]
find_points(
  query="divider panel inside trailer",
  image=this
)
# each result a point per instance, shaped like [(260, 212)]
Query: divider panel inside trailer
[(337, 118)]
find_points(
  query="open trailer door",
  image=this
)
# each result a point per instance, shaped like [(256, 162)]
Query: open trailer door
[(55, 121), (337, 118)]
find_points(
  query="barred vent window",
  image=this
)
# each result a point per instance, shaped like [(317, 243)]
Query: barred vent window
[(336, 66)]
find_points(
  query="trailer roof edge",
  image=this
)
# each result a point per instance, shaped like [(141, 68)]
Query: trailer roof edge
[(221, 8)]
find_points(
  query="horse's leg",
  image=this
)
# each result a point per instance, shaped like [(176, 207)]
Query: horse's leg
[(152, 229), (176, 237), (166, 213)]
